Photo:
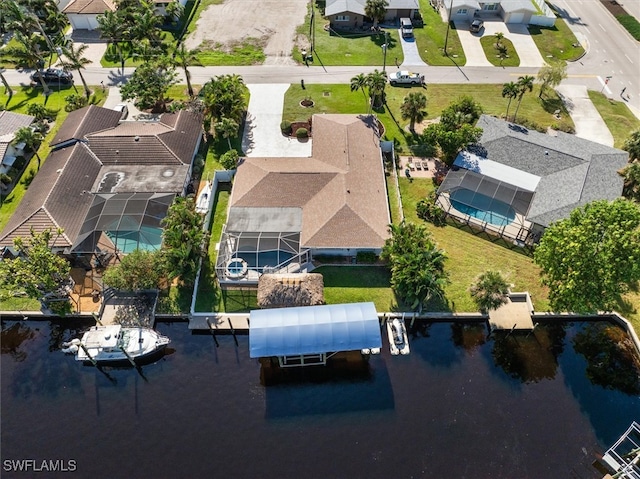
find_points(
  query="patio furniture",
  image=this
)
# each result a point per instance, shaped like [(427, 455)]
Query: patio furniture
[(425, 165), (418, 166)]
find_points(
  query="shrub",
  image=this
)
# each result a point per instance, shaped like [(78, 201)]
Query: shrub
[(428, 210), (74, 102), (285, 126), (302, 133), (5, 179), (366, 257), (229, 160)]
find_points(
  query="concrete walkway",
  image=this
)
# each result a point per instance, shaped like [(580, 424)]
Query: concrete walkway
[(589, 123), (262, 136), (410, 52)]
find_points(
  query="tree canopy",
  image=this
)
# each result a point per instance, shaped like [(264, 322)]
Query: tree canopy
[(551, 76), (136, 270), (632, 145), (38, 271), (149, 84), (489, 291), (589, 259), (376, 9), (413, 108), (223, 97), (417, 264)]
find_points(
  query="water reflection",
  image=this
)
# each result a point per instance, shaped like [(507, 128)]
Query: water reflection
[(469, 336), (12, 337), (531, 356), (612, 360)]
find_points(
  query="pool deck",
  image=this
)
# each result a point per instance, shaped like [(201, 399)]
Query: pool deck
[(514, 315)]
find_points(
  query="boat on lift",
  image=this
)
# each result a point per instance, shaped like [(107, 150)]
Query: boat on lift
[(204, 199), (398, 339), (115, 343)]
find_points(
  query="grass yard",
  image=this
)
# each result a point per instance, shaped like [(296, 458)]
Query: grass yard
[(352, 284), (340, 99), (558, 41), (431, 39), (22, 97), (249, 52), (619, 119), (491, 52)]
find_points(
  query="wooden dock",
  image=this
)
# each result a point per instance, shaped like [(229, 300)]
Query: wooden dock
[(515, 314), (220, 321)]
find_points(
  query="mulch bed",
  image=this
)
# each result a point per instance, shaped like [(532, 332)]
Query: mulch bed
[(614, 7)]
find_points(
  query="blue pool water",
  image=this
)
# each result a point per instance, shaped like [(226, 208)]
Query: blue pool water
[(265, 258), (482, 207), (461, 405)]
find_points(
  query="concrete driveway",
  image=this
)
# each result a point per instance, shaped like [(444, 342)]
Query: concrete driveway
[(262, 136), (589, 123), (518, 34), (410, 52)]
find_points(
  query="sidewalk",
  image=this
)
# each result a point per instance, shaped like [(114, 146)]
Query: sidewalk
[(589, 123)]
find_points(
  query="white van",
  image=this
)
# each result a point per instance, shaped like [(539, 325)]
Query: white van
[(406, 28)]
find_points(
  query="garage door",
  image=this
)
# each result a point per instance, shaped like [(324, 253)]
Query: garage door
[(516, 17)]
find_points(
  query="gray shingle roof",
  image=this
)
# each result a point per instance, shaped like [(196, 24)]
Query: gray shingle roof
[(573, 171)]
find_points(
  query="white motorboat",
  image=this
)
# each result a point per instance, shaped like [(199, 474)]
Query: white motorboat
[(116, 343), (398, 339), (204, 199)]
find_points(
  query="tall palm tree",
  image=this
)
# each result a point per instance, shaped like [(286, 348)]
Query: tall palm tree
[(112, 28), (376, 81), (28, 53), (228, 128), (7, 87), (525, 83), (359, 82), (490, 291), (31, 139), (75, 61), (510, 91), (499, 36), (413, 108), (376, 9), (184, 58)]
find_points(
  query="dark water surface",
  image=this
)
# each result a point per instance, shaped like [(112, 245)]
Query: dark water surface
[(445, 411)]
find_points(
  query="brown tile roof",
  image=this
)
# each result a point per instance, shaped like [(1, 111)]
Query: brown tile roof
[(89, 119), (89, 6), (341, 188), (57, 197)]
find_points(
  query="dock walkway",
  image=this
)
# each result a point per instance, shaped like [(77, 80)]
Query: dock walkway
[(515, 314)]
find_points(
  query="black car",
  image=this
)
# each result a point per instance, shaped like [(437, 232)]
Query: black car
[(53, 75), (476, 26)]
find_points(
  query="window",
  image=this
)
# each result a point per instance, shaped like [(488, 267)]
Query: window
[(342, 18), (461, 11), (490, 6)]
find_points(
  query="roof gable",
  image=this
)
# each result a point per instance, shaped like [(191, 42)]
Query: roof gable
[(84, 121), (89, 7)]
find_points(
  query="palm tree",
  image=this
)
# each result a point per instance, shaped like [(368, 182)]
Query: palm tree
[(31, 139), (28, 54), (376, 81), (112, 29), (183, 58), (7, 88), (499, 36), (359, 82), (551, 76), (524, 83), (413, 108), (509, 90), (75, 61), (490, 291), (631, 174), (145, 26), (376, 9), (227, 128), (502, 53)]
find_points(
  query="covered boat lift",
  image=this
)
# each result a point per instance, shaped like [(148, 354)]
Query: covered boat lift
[(308, 335)]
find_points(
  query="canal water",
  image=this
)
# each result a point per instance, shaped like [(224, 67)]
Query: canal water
[(461, 405)]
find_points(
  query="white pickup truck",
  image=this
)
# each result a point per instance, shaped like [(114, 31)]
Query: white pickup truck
[(404, 77)]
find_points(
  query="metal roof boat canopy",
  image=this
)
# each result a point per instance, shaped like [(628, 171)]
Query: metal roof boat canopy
[(305, 335)]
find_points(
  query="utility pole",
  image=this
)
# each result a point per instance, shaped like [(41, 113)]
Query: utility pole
[(446, 38), (385, 45)]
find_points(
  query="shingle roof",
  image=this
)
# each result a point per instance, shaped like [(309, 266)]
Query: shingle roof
[(573, 171), (10, 122), (334, 7), (90, 6), (341, 188), (89, 119)]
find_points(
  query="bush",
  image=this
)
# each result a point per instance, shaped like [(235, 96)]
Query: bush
[(428, 210), (302, 133), (74, 102), (5, 179), (285, 127), (366, 257), (229, 160)]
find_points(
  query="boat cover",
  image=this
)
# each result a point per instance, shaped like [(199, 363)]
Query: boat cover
[(313, 329)]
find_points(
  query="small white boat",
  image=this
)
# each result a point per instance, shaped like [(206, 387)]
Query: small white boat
[(116, 343), (398, 339), (204, 199)]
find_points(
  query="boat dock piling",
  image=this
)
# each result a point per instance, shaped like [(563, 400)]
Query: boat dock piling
[(93, 361)]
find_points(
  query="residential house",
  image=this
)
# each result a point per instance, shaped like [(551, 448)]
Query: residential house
[(349, 14), (83, 14), (10, 123), (509, 11), (517, 181)]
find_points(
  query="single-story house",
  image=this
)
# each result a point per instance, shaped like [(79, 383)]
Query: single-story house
[(350, 13), (516, 181), (510, 11), (10, 123), (284, 210), (83, 14), (107, 183)]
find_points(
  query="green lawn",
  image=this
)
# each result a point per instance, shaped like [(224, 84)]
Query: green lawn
[(340, 99), (22, 97), (491, 52), (432, 37), (619, 119), (557, 42), (353, 284)]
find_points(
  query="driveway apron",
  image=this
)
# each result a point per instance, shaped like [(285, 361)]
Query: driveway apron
[(410, 51), (471, 46), (262, 136), (589, 123), (522, 42)]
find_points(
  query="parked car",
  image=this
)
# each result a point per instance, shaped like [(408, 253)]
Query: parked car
[(404, 77), (53, 75), (476, 26), (122, 108), (406, 27)]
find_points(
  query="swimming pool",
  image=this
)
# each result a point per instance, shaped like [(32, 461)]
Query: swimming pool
[(482, 207), (265, 258)]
